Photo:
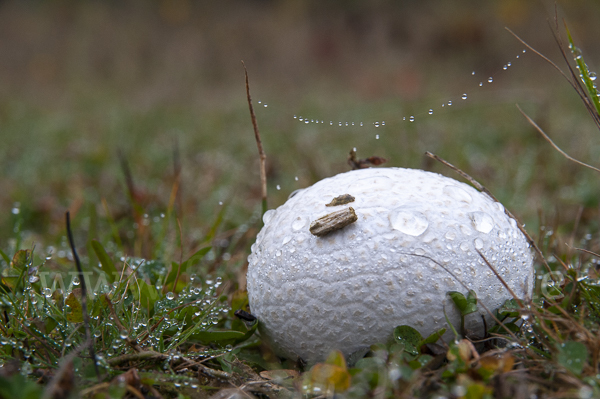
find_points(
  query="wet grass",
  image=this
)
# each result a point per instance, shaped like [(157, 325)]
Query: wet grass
[(165, 202)]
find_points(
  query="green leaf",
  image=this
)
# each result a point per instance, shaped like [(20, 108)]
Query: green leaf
[(18, 386), (409, 337), (107, 265), (179, 270), (471, 303), (175, 271), (511, 327), (222, 338), (213, 229), (420, 362), (21, 259), (584, 72), (433, 337), (99, 304), (146, 294), (465, 305), (76, 315), (50, 324), (459, 300), (508, 309), (573, 356), (5, 257), (198, 255), (17, 269)]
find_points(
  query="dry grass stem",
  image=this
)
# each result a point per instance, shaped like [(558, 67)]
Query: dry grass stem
[(86, 316), (549, 140), (499, 277), (261, 152)]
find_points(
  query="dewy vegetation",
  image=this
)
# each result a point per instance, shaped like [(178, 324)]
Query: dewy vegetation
[(133, 327)]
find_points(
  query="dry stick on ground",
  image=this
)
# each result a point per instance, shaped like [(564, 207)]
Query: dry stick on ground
[(486, 191), (549, 140), (86, 316), (261, 152)]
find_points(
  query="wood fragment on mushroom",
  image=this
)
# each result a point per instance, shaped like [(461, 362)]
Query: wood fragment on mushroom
[(341, 200), (334, 221)]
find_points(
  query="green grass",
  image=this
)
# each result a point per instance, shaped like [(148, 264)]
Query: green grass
[(165, 261)]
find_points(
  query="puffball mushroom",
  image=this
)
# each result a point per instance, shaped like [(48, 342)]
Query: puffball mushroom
[(415, 236)]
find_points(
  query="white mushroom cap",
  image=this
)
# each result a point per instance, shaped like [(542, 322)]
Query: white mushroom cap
[(350, 288)]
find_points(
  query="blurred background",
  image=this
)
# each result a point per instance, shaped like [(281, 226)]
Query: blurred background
[(161, 83)]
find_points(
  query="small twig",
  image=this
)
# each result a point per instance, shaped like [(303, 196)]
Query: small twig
[(548, 60), (549, 140), (486, 191), (499, 277), (86, 316), (261, 153), (587, 251)]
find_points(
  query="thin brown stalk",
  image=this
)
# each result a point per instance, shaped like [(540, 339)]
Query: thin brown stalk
[(86, 316), (587, 251), (499, 277), (261, 152), (481, 188), (573, 80), (180, 258), (548, 60), (549, 140)]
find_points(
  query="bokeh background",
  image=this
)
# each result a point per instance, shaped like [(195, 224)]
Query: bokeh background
[(161, 83)]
